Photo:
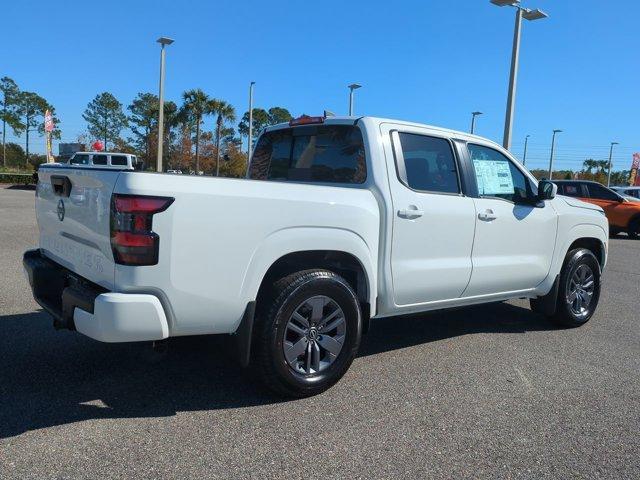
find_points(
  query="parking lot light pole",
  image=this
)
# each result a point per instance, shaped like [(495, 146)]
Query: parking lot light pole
[(521, 13), (250, 143), (610, 156), (553, 144), (473, 120), (524, 155), (352, 87), (162, 41)]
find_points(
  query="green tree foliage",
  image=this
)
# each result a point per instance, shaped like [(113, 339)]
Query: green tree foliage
[(278, 115), (9, 111), (196, 106), (105, 118), (620, 177), (31, 108), (589, 164), (143, 118), (235, 162), (224, 113), (262, 119), (15, 156)]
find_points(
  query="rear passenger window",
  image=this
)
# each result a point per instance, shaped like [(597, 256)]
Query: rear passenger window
[(429, 164), (99, 159), (323, 154), (80, 160), (118, 160)]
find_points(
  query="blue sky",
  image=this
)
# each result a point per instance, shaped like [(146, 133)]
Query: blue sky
[(421, 60)]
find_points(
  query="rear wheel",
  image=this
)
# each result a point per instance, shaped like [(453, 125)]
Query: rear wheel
[(579, 288), (307, 333)]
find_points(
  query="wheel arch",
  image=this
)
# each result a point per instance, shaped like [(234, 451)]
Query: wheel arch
[(634, 218), (594, 245), (289, 250)]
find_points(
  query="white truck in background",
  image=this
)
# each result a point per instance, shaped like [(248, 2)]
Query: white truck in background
[(340, 221)]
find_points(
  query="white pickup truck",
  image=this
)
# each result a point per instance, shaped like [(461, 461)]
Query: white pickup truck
[(341, 220)]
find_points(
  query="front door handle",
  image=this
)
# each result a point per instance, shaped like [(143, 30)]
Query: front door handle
[(410, 213), (487, 215)]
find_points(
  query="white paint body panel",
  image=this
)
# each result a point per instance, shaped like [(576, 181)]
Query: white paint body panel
[(220, 236), (514, 251), (121, 317)]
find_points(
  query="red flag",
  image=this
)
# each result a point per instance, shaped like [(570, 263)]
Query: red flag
[(48, 121)]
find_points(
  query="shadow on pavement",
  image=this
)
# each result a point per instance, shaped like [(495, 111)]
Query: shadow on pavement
[(21, 187), (50, 378)]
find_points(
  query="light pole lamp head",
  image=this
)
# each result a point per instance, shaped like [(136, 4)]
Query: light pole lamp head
[(535, 14), (476, 113), (557, 131), (615, 143), (355, 86), (165, 41), (506, 3)]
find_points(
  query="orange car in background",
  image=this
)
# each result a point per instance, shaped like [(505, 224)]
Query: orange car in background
[(623, 214)]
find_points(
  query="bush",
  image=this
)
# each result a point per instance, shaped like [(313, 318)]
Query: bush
[(15, 156), (17, 178)]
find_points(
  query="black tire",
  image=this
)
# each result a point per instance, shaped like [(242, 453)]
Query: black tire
[(288, 294), (566, 315), (634, 228)]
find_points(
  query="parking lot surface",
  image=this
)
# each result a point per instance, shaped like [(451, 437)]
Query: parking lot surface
[(486, 392)]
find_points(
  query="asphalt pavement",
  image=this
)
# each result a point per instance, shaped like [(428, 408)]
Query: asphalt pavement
[(485, 392)]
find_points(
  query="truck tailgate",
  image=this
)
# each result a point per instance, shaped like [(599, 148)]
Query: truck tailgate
[(73, 206)]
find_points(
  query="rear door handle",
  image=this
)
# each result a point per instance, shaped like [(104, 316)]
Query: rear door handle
[(410, 213), (487, 215)]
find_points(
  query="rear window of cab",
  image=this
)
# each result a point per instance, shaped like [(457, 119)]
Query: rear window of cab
[(310, 153)]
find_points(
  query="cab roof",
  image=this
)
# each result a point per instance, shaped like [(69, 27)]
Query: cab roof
[(347, 120)]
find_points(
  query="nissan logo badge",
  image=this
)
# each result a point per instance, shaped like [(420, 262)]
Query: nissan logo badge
[(61, 210)]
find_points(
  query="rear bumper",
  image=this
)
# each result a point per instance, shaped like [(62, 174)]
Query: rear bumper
[(76, 303)]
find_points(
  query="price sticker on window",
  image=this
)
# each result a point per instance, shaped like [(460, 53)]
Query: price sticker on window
[(494, 177)]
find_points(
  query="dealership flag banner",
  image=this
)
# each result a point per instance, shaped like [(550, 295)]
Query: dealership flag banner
[(634, 178), (48, 128)]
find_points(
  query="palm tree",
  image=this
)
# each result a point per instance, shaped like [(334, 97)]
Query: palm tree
[(197, 105), (589, 164), (226, 113), (602, 166)]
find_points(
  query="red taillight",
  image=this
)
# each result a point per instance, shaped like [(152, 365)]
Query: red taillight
[(132, 241), (305, 120)]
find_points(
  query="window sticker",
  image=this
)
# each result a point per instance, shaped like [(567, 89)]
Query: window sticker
[(494, 177)]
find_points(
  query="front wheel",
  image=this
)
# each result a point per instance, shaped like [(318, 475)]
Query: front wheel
[(307, 333), (579, 288)]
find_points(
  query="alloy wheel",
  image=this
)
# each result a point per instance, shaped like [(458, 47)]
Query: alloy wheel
[(314, 335), (580, 290)]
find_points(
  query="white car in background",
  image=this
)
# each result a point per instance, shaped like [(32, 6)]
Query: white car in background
[(633, 192), (118, 161), (341, 220)]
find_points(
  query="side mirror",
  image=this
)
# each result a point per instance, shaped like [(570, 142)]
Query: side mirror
[(547, 190), (139, 166)]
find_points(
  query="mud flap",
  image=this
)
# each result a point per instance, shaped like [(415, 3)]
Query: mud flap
[(244, 333), (548, 303)]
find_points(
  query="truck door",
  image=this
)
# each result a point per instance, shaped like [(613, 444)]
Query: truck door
[(433, 222), (515, 238)]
